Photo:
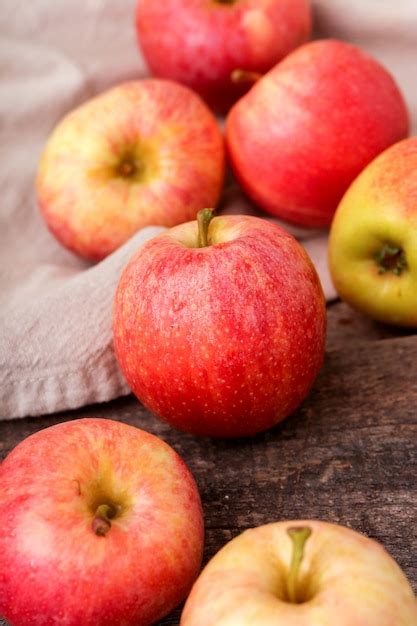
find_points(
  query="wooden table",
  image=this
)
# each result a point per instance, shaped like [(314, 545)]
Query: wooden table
[(348, 455)]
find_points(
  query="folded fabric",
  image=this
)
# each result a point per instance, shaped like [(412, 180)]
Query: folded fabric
[(55, 309)]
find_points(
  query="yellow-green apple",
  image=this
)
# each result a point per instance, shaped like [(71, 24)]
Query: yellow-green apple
[(219, 325), (303, 573), (101, 524), (144, 152), (201, 42), (309, 126), (373, 239)]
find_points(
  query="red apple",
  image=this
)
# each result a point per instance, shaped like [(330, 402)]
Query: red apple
[(307, 128), (101, 524), (201, 42), (143, 153), (220, 333), (303, 573)]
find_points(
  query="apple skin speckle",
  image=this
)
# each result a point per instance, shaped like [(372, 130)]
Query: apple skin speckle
[(226, 340)]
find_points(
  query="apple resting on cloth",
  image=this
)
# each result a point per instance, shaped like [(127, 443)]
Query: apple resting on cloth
[(101, 525), (301, 574), (201, 42), (373, 239), (143, 153), (307, 128), (219, 326)]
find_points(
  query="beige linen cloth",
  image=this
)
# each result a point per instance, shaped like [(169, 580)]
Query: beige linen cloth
[(55, 309)]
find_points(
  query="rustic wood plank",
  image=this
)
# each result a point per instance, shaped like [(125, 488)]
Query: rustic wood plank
[(346, 327), (348, 455)]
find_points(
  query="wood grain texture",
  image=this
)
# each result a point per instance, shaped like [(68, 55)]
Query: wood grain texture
[(348, 455)]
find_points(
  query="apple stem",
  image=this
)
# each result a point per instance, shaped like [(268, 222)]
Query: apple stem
[(101, 522), (299, 536), (204, 218), (244, 76)]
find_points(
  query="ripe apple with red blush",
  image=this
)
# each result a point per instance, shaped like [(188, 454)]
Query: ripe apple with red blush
[(219, 325), (307, 128), (201, 42), (301, 573), (143, 153), (101, 523), (373, 238)]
